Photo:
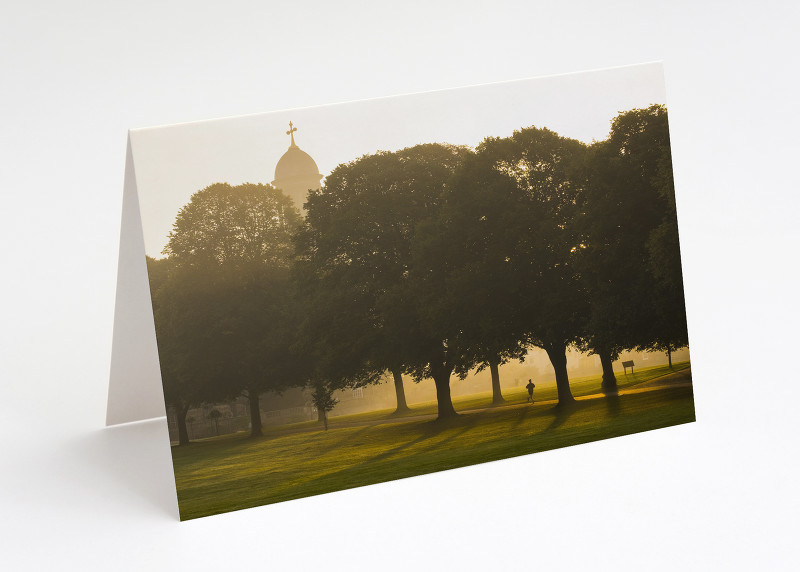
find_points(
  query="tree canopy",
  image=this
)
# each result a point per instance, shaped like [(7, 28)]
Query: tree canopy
[(224, 224), (530, 199), (227, 301), (429, 261), (355, 253), (631, 262)]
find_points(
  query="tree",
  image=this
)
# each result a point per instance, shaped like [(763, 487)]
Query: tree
[(626, 209), (464, 257), (230, 248), (399, 392), (533, 182), (663, 248), (189, 421), (354, 263), (215, 415), (234, 224), (182, 352), (323, 399), (191, 317), (334, 330)]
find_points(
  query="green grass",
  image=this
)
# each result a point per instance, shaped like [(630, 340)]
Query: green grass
[(235, 472), (544, 392)]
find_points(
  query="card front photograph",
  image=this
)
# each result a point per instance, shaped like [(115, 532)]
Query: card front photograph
[(355, 293)]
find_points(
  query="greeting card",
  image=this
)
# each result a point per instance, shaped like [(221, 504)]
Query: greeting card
[(337, 296)]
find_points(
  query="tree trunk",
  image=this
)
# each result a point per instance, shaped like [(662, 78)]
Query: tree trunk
[(497, 396), (402, 406), (320, 416), (558, 357), (669, 356), (183, 433), (609, 379), (255, 413), (441, 377), (325, 418)]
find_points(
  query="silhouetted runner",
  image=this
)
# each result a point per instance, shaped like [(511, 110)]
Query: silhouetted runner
[(530, 387)]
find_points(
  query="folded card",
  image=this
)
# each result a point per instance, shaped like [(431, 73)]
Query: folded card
[(331, 297)]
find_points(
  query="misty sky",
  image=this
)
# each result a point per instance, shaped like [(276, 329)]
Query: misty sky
[(173, 162)]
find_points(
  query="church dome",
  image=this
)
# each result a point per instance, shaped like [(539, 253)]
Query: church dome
[(295, 163), (296, 172)]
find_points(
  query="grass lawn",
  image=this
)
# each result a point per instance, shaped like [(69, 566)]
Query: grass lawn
[(544, 392), (235, 472)]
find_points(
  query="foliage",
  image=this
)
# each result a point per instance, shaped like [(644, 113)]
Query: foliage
[(671, 331), (516, 206), (354, 265), (183, 343), (323, 399), (428, 261), (463, 258), (248, 223), (215, 416), (631, 262), (225, 319)]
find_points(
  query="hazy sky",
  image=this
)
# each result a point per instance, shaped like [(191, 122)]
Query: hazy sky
[(173, 162)]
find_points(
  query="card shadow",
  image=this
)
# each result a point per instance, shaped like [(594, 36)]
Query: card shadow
[(134, 458)]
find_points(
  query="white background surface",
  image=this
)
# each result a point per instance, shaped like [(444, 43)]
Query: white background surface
[(720, 493)]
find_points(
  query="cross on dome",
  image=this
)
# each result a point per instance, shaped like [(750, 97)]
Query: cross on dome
[(291, 131)]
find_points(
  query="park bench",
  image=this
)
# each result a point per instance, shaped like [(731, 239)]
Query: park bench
[(626, 365)]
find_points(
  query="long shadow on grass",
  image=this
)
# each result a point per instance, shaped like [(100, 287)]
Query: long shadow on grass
[(293, 491), (464, 421), (613, 404), (385, 466), (562, 412), (429, 429), (390, 452), (375, 469), (523, 415), (347, 440)]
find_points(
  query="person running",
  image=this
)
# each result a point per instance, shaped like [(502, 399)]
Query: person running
[(530, 387)]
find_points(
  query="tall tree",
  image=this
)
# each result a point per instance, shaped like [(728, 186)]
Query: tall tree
[(355, 252), (663, 247), (178, 395), (627, 201), (231, 249), (466, 253), (537, 182), (186, 338)]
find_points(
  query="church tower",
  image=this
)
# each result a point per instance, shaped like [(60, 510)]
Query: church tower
[(296, 172)]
